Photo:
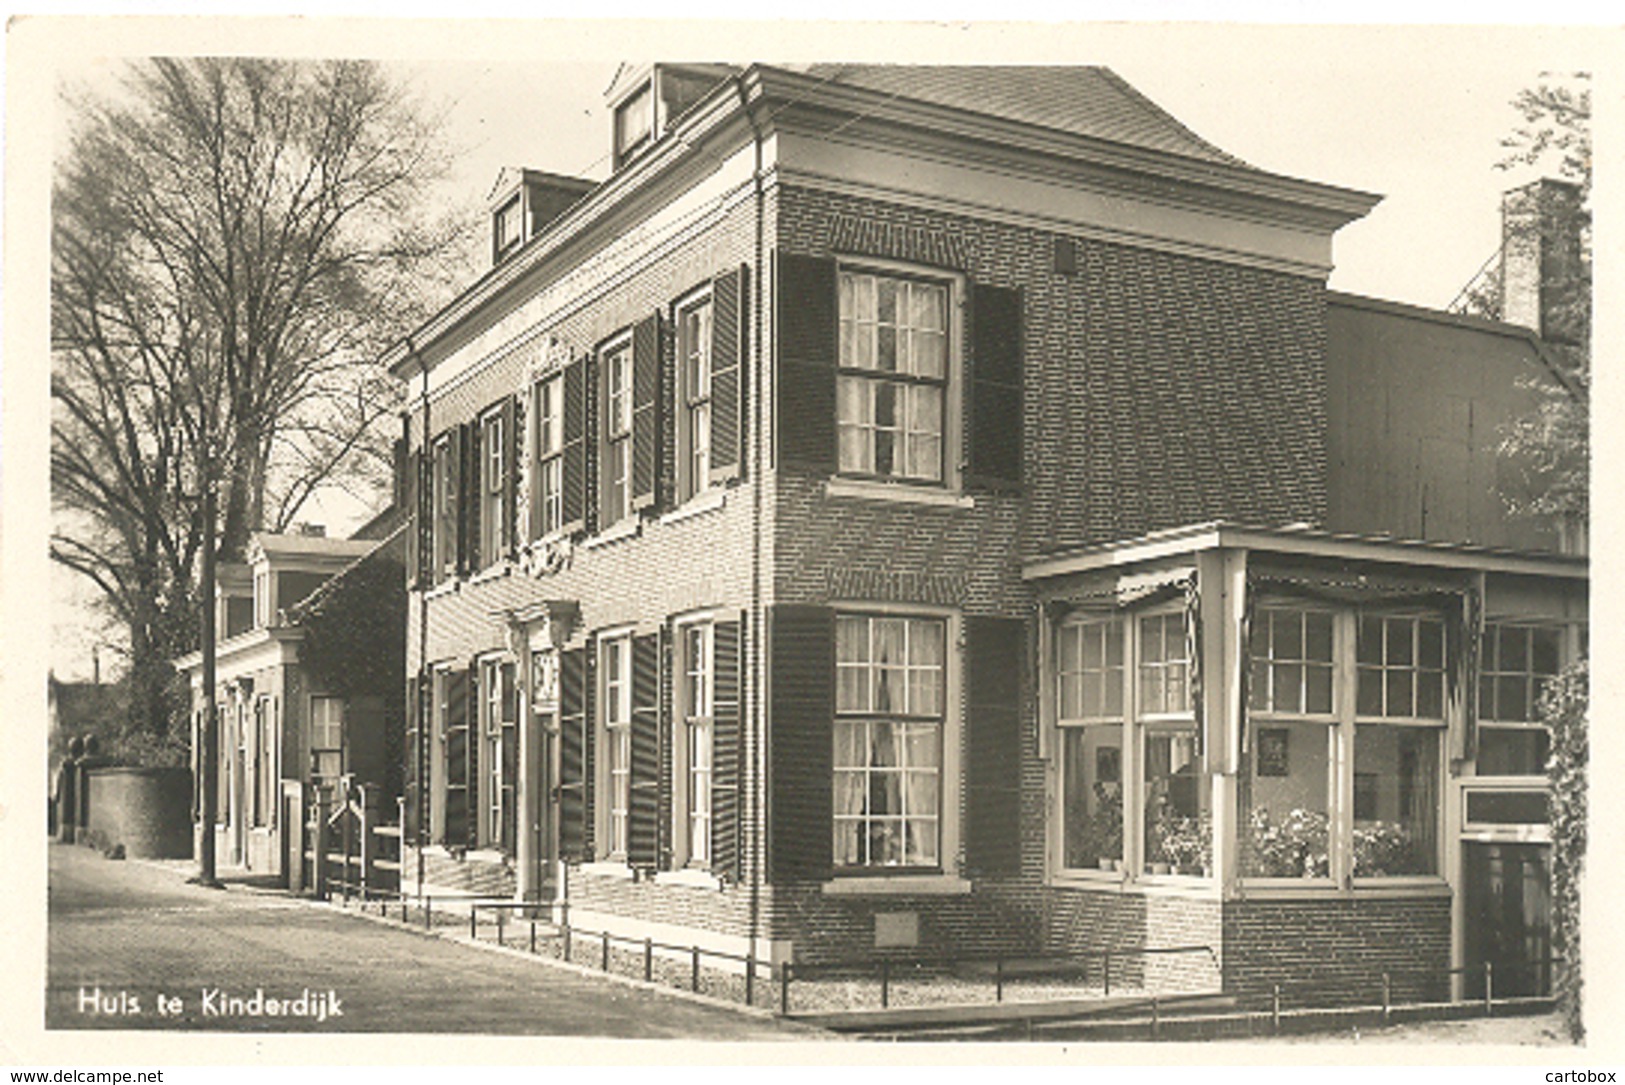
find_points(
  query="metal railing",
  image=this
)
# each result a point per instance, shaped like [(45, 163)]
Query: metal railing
[(1077, 962)]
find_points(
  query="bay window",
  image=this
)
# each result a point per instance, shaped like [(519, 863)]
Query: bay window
[(888, 741), (891, 389), (1399, 706)]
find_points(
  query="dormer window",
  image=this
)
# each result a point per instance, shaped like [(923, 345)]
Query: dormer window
[(509, 226), (634, 124)]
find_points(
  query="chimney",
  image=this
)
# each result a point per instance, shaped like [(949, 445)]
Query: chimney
[(1545, 285)]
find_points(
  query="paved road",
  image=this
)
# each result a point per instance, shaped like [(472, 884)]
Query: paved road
[(135, 931)]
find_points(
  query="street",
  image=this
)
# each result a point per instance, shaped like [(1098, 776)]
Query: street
[(131, 946)]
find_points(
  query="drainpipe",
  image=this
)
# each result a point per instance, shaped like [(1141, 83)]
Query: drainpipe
[(755, 808), (423, 620)]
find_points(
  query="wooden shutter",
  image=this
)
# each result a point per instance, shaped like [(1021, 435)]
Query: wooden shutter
[(510, 761), (423, 568), (512, 419), (454, 831), (800, 734), (473, 497), (727, 777), (646, 420), (993, 650), (411, 507), (575, 687), (409, 775), (728, 323), (643, 828), (995, 388), (806, 318), (577, 411)]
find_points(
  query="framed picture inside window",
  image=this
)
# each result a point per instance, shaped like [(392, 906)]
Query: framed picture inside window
[(1108, 765), (1272, 751)]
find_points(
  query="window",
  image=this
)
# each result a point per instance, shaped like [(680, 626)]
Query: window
[(445, 509), (890, 705), (634, 124), (509, 226), (694, 394), (493, 490), (617, 467), (1090, 671), (498, 752), (696, 699), (265, 767), (1286, 790), (1401, 667), (262, 598), (1516, 663), (893, 381), (549, 409), (326, 738), (616, 661), (1174, 828)]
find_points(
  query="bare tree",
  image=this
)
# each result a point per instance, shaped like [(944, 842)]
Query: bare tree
[(234, 242)]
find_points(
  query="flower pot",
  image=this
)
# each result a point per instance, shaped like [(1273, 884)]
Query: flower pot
[(1159, 868)]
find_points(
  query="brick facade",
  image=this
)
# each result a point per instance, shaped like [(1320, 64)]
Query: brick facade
[(1330, 951)]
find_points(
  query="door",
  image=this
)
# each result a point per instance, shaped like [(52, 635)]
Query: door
[(1508, 906)]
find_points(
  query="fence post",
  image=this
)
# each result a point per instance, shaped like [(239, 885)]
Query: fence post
[(1489, 988), (885, 983), (1156, 1018), (318, 837), (694, 972), (784, 989), (998, 978), (473, 920), (1106, 976), (428, 913), (567, 939), (648, 959), (533, 934), (606, 951), (1275, 1008), (368, 849), (750, 973), (502, 915), (1387, 997)]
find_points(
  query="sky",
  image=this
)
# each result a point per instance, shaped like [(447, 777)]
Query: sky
[(1413, 114)]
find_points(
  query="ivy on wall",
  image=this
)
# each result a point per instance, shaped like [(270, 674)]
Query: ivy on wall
[(1563, 707), (355, 628)]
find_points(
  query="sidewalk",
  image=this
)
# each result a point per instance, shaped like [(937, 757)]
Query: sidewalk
[(246, 959)]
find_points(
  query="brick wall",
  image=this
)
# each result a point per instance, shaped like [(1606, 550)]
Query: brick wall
[(443, 871), (1083, 920), (1335, 951), (1160, 389), (828, 929)]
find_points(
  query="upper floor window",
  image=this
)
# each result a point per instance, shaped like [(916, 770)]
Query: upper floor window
[(493, 489), (509, 225), (445, 508), (891, 391), (548, 406), (617, 466), (694, 334), (634, 124)]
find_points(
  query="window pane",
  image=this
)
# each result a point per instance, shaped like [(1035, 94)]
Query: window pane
[(852, 640), (1399, 647), (1545, 651), (1318, 639), (1510, 751), (1288, 635), (1430, 695), (1430, 640), (1071, 696), (1319, 695), (1176, 826), (1114, 644), (1400, 702), (1092, 796), (1400, 835), (1284, 801), (1288, 686), (1512, 698), (1514, 649), (1369, 640)]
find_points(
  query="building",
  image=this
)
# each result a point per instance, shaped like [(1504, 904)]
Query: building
[(930, 511), (308, 684)]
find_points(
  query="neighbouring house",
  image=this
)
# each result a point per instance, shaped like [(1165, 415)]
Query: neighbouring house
[(309, 684), (928, 511)]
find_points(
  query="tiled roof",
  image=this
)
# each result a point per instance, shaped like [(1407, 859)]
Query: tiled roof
[(317, 546), (1087, 101)]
